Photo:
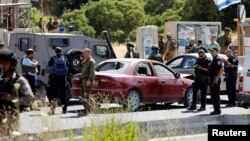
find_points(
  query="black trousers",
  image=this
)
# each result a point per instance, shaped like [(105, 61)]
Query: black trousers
[(200, 82), (231, 89), (215, 95), (58, 89), (32, 81)]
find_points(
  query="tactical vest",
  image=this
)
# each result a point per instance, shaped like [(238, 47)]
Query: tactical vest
[(26, 69), (59, 67), (7, 86)]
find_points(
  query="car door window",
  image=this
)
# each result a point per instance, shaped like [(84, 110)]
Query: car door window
[(176, 63), (189, 63), (143, 69), (162, 71)]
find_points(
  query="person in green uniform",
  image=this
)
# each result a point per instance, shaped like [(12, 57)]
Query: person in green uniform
[(161, 44), (155, 54), (199, 47), (87, 65), (225, 38)]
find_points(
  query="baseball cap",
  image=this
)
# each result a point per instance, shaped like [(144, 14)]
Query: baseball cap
[(215, 48)]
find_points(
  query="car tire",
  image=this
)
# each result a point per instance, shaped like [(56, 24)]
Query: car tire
[(73, 57), (188, 97), (133, 100)]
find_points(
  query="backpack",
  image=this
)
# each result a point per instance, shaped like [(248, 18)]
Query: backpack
[(59, 67)]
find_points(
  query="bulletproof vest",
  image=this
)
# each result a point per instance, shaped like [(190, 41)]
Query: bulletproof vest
[(26, 69), (7, 86), (59, 67)]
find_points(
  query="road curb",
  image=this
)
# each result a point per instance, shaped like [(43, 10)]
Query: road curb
[(163, 128)]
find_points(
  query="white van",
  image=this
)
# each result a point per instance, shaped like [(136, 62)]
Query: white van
[(244, 86)]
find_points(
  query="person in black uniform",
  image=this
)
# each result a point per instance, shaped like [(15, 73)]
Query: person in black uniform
[(231, 69), (200, 81), (215, 72), (58, 67)]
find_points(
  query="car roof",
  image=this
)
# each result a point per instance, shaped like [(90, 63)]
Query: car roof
[(196, 55), (130, 60)]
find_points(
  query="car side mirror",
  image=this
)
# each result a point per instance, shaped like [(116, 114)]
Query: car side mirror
[(177, 75)]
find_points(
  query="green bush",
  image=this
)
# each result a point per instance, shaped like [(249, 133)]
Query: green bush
[(110, 131)]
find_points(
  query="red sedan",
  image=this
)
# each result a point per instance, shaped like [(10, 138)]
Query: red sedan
[(138, 81)]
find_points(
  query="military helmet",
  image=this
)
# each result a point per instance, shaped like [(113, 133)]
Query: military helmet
[(8, 55), (169, 34), (227, 29), (130, 44), (58, 49), (155, 47)]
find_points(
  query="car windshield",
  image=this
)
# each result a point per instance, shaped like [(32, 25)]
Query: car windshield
[(113, 67)]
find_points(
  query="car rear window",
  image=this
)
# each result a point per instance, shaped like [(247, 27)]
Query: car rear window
[(113, 67)]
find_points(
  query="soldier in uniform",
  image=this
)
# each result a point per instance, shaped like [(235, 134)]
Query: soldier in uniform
[(225, 38), (170, 48), (87, 65), (155, 54), (15, 92), (199, 47), (131, 53), (161, 44), (231, 69), (215, 72), (58, 68), (200, 81)]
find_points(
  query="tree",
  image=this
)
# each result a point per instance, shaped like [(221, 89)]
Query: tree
[(118, 17), (157, 7), (79, 20)]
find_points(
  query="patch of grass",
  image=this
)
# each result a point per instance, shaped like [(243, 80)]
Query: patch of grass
[(111, 131)]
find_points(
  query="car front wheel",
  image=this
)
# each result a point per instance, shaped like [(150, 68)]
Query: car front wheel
[(133, 100), (188, 97)]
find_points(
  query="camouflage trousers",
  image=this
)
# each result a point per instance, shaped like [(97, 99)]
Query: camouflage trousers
[(85, 96), (168, 55)]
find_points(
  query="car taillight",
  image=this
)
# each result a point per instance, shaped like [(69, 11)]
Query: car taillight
[(76, 81), (106, 82)]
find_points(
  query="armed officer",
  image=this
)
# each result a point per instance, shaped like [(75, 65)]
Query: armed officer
[(58, 67), (29, 68), (131, 53), (200, 81), (15, 92), (155, 54), (87, 65), (215, 72), (231, 69)]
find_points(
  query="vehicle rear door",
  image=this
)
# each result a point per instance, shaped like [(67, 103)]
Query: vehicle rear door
[(23, 42), (100, 51), (170, 88), (176, 64), (188, 64), (146, 82)]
